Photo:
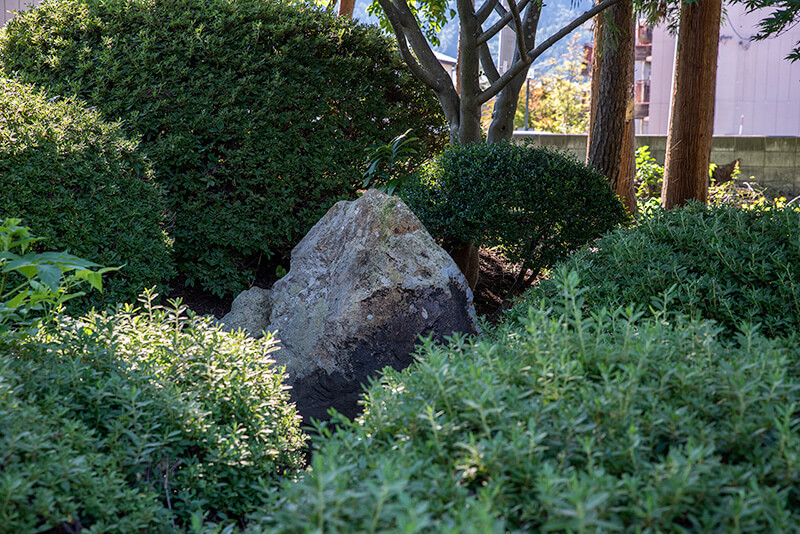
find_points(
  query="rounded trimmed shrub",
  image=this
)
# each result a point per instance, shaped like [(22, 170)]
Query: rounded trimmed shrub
[(566, 423), (254, 113), (721, 263), (536, 204), (84, 187), (141, 421)]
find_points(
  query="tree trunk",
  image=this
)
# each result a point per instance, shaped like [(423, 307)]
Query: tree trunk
[(597, 44), (627, 164), (614, 87), (691, 122), (346, 8), (505, 108), (466, 257)]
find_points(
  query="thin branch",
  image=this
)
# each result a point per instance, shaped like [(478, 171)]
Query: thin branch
[(521, 65), (487, 62), (402, 44), (521, 46), (423, 61), (500, 24), (485, 10), (500, 10)]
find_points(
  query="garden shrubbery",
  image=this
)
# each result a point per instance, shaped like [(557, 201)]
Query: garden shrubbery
[(140, 421), (84, 186), (719, 263), (559, 422), (255, 114), (536, 204)]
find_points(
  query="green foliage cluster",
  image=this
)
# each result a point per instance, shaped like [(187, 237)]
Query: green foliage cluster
[(391, 164), (649, 175), (781, 16), (561, 422), (535, 204), (140, 421), (719, 263), (83, 186), (746, 195), (255, 114), (33, 286), (558, 100)]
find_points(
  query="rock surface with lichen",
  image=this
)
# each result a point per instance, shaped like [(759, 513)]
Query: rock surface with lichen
[(363, 285), (250, 311)]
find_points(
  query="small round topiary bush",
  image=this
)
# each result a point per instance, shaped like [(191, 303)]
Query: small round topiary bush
[(83, 187), (719, 263), (536, 204), (140, 421), (254, 113)]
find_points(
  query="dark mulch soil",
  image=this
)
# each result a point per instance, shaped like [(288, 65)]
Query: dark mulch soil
[(199, 301), (497, 275)]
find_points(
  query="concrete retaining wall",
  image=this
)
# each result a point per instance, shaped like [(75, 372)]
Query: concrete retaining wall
[(773, 162)]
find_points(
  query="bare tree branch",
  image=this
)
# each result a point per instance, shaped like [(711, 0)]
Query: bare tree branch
[(402, 44), (487, 62), (521, 65), (500, 24), (521, 46), (486, 10), (435, 75), (500, 10)]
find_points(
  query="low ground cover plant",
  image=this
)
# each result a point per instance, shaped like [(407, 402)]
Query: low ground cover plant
[(719, 263), (84, 187), (731, 192), (536, 205), (255, 114), (559, 422), (143, 420)]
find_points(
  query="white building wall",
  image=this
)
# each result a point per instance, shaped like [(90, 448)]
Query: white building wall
[(9, 6), (756, 87)]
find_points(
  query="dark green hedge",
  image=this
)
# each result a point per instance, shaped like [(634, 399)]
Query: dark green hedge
[(140, 421), (84, 187), (255, 113), (536, 204), (567, 423), (719, 263)]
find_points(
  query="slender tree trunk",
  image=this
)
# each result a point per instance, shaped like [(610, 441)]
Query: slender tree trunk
[(691, 122), (465, 254), (627, 164), (614, 85), (346, 8)]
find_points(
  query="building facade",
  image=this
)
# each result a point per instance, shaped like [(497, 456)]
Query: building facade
[(758, 90)]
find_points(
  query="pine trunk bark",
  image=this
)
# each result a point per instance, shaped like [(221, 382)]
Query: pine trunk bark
[(597, 44), (611, 99), (346, 8), (691, 123)]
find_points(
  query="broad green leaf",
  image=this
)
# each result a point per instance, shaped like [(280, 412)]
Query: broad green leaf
[(50, 275), (17, 301)]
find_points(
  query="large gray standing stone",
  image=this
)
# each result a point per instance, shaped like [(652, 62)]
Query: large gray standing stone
[(363, 285)]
